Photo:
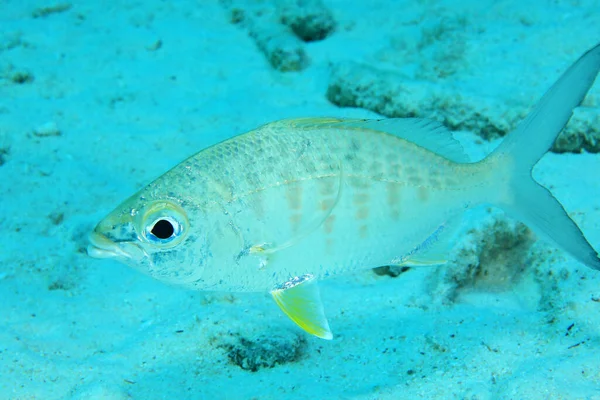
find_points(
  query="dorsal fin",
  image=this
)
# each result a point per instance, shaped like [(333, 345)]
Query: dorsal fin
[(423, 132), (426, 133)]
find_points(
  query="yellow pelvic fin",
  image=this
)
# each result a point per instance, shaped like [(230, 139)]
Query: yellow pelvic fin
[(299, 298)]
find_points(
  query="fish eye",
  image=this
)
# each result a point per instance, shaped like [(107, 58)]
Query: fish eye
[(163, 224), (163, 228)]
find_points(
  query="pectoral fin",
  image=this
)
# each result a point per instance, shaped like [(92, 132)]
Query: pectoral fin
[(299, 298), (311, 226)]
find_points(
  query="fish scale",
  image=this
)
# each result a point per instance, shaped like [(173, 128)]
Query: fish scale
[(300, 190)]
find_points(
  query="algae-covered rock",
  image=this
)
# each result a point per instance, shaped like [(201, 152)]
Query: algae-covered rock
[(310, 20), (581, 133), (283, 50), (492, 256), (265, 351), (279, 27), (280, 46)]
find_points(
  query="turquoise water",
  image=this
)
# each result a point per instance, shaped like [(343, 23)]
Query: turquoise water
[(98, 99)]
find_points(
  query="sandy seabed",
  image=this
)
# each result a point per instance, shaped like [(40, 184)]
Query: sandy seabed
[(98, 98)]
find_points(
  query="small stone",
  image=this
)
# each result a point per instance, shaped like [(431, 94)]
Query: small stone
[(155, 46), (237, 15), (56, 217), (43, 12), (21, 77), (3, 155), (47, 129)]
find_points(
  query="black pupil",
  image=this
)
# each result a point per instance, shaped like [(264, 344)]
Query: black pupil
[(163, 229)]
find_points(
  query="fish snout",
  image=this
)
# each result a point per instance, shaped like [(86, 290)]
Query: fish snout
[(101, 246)]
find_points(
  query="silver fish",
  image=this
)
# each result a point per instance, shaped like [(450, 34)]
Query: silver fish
[(295, 201)]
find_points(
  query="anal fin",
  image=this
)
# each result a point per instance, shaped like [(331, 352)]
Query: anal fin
[(299, 299), (434, 250)]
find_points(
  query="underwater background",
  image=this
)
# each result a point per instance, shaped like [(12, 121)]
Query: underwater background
[(98, 98)]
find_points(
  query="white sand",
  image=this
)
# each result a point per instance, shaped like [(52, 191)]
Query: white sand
[(111, 114)]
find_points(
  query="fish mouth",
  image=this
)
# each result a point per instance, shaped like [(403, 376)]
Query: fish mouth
[(101, 246)]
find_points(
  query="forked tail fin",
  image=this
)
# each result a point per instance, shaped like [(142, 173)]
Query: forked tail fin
[(514, 159)]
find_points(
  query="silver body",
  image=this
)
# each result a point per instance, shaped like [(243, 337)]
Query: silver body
[(298, 198)]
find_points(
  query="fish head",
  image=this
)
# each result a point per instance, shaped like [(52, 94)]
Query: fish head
[(153, 234)]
